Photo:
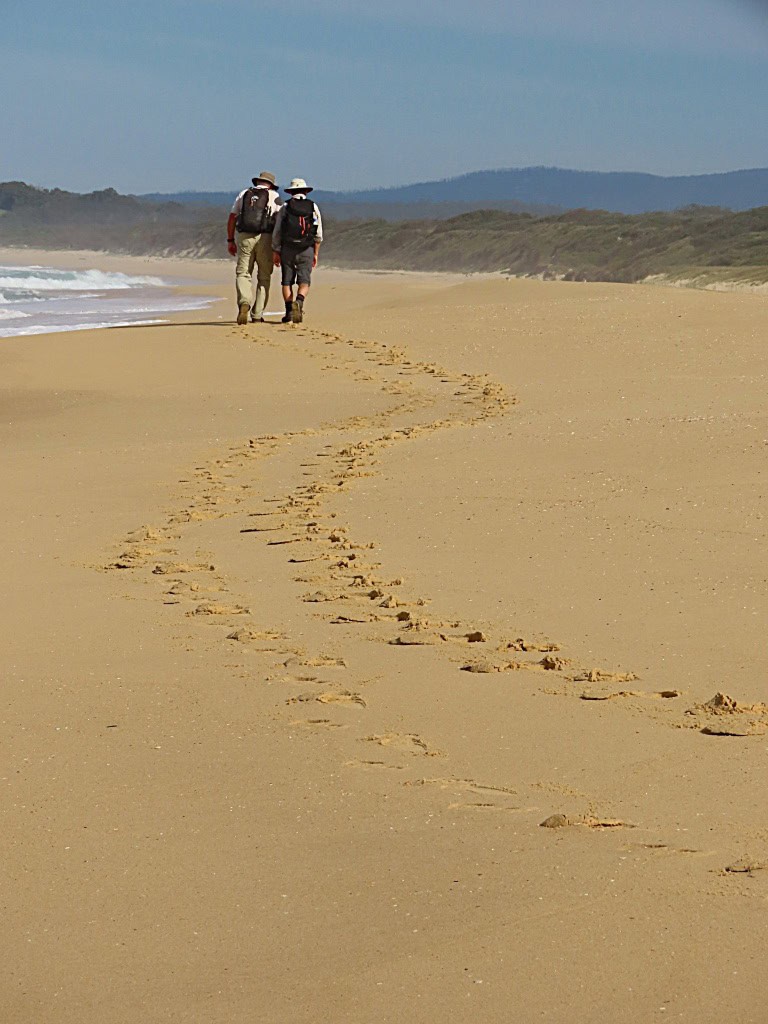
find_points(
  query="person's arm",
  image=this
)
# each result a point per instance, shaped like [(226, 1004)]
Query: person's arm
[(277, 237), (234, 213), (231, 245), (318, 235)]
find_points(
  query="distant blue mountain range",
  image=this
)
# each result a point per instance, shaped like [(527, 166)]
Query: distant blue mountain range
[(540, 190)]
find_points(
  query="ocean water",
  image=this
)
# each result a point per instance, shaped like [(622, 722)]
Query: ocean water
[(39, 300)]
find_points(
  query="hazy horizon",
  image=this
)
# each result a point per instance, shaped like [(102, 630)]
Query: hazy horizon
[(464, 174), (406, 184)]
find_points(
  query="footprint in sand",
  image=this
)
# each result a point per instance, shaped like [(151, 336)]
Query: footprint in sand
[(665, 849), (321, 597), (264, 529), (722, 704), (746, 866), (489, 667), (587, 821), (543, 646), (344, 620), (170, 568), (197, 516), (482, 805), (474, 637), (416, 634), (491, 798), (359, 762), (245, 635), (320, 661), (552, 663), (416, 640), (735, 729), (346, 697), (464, 786), (486, 666), (134, 558), (614, 695), (148, 534), (724, 716), (409, 742), (317, 723), (182, 587), (212, 608), (599, 675)]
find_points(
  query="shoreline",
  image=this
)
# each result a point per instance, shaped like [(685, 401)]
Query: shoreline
[(115, 261), (701, 280), (180, 280)]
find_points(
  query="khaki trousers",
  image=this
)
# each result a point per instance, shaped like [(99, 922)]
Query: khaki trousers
[(254, 251)]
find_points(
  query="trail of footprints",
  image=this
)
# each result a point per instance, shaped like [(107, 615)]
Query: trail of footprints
[(346, 588)]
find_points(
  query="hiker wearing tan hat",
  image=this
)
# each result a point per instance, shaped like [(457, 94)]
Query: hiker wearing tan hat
[(295, 244), (253, 217)]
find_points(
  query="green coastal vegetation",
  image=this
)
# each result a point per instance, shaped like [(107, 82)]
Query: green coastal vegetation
[(578, 245), (699, 245)]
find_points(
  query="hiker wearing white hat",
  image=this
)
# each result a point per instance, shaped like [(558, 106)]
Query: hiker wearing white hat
[(295, 246), (253, 215)]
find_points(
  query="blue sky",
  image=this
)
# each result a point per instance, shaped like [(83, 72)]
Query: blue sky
[(169, 95)]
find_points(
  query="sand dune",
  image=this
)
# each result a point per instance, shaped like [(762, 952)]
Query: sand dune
[(310, 630)]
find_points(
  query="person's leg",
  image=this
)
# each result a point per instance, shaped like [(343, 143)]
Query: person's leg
[(304, 262), (288, 271), (264, 266), (288, 300), (297, 309), (246, 258)]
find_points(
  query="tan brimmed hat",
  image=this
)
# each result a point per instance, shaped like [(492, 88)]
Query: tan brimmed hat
[(298, 185), (267, 176)]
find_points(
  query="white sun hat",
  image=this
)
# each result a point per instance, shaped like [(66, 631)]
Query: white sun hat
[(298, 185)]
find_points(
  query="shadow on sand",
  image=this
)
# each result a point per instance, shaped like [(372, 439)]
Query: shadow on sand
[(193, 323)]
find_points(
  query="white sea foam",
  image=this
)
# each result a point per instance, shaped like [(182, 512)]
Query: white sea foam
[(50, 300), (38, 329), (48, 279)]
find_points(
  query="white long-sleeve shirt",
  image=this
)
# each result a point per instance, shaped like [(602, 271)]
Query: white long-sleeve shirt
[(277, 240)]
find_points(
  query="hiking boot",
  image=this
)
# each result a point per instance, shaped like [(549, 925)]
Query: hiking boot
[(287, 319), (297, 313), (242, 316)]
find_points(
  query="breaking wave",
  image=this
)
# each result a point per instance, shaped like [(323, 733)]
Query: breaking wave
[(40, 300), (48, 279)]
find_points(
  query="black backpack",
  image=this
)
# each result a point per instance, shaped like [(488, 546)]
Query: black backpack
[(298, 226), (255, 217)]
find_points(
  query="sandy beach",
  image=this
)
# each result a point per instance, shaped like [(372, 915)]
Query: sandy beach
[(405, 665)]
